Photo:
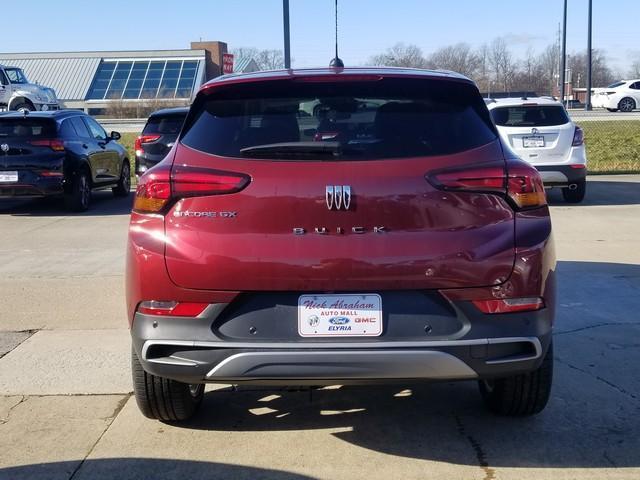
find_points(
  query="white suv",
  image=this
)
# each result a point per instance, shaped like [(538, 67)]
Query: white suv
[(539, 130)]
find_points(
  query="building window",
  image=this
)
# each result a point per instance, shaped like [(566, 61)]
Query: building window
[(131, 80)]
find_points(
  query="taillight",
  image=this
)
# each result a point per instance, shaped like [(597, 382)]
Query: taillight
[(509, 305), (524, 186), (153, 192), (197, 182), (174, 309), (144, 139), (54, 144), (157, 188), (490, 179), (578, 137)]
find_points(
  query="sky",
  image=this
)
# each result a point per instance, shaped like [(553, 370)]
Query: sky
[(366, 27)]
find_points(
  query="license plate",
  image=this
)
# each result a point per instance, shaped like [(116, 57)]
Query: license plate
[(533, 142), (350, 315), (6, 177)]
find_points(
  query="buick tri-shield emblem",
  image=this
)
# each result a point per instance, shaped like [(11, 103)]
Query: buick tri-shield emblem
[(4, 147), (338, 197)]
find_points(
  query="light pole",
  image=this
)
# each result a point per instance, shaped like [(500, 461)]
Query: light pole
[(287, 46), (587, 105), (563, 65)]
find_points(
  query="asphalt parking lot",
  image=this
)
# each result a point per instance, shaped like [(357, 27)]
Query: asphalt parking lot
[(66, 410)]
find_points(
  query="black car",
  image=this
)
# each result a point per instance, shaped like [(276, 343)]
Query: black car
[(63, 153), (158, 136)]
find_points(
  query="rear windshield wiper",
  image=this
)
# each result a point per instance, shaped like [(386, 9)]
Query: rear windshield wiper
[(299, 150)]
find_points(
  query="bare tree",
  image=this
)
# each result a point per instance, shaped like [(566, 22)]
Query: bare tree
[(270, 59), (458, 58), (601, 73), (502, 63), (549, 67), (401, 55), (266, 59), (634, 71)]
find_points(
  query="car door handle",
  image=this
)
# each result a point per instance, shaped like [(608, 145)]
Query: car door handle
[(84, 145)]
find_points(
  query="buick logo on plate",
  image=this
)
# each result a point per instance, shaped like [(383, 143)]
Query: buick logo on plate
[(338, 197), (313, 321), (4, 147)]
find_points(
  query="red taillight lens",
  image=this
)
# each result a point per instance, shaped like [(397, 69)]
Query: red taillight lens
[(509, 305), (158, 187), (195, 182), (174, 309), (522, 184), (54, 144), (144, 139), (489, 179), (525, 187), (153, 191), (578, 137)]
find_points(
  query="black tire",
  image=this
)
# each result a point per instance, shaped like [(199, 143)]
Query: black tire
[(576, 195), (79, 196), (520, 395), (162, 398), (627, 104), (612, 109), (24, 106), (123, 187)]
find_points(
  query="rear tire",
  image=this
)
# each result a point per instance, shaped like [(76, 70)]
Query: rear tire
[(123, 187), (520, 395), (79, 196), (577, 195), (162, 398), (627, 104)]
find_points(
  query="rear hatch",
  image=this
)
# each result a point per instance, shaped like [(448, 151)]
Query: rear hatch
[(159, 135), (539, 134), (339, 201), (28, 144)]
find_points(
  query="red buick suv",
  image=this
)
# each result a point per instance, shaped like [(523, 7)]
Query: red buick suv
[(340, 226)]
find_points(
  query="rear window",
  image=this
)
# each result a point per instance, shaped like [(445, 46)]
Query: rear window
[(164, 125), (352, 120), (530, 116), (27, 128)]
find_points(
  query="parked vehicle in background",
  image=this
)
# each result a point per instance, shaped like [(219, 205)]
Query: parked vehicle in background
[(158, 136), (540, 132), (623, 96), (16, 93), (64, 153), (395, 242)]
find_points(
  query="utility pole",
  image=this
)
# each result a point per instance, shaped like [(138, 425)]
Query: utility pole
[(587, 105), (287, 44), (563, 65)]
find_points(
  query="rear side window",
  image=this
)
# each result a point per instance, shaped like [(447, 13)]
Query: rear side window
[(27, 128), (164, 125), (530, 116), (352, 120), (80, 127)]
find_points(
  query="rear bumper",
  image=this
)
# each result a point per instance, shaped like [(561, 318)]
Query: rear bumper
[(38, 188), (193, 350), (561, 175)]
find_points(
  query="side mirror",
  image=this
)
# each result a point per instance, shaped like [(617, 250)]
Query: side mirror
[(115, 136)]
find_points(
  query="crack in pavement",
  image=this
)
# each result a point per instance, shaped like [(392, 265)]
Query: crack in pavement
[(606, 324), (489, 472), (23, 398), (116, 412), (599, 378)]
